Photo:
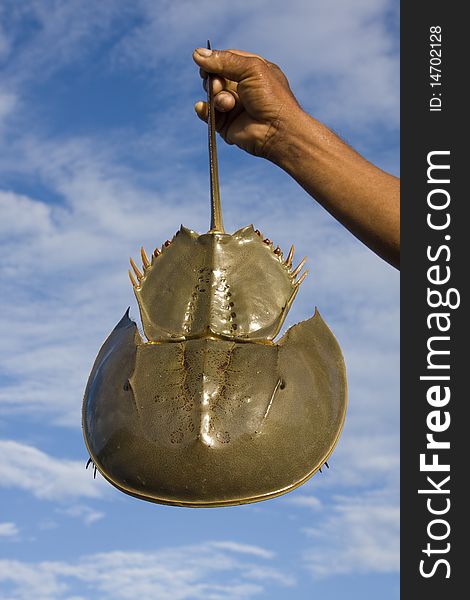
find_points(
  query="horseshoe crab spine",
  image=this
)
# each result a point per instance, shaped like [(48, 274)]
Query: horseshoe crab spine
[(216, 211)]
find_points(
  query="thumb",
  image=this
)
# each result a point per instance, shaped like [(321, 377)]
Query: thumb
[(228, 64)]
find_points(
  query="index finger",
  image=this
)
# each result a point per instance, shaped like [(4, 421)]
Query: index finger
[(248, 54), (232, 65), (203, 74)]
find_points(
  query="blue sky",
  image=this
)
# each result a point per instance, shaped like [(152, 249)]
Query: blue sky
[(101, 153)]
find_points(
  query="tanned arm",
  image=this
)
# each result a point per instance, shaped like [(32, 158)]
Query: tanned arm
[(257, 111)]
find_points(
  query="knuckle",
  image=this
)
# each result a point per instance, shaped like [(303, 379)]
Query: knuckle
[(259, 62), (278, 73), (260, 66)]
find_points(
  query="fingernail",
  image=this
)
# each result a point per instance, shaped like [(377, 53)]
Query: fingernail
[(204, 51)]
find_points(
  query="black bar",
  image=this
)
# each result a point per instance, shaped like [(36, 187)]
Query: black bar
[(425, 131)]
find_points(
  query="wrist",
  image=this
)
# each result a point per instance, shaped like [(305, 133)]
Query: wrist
[(292, 136)]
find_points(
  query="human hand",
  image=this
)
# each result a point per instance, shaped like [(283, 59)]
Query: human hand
[(252, 97)]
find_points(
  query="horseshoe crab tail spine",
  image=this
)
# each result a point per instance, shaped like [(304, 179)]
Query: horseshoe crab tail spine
[(216, 211)]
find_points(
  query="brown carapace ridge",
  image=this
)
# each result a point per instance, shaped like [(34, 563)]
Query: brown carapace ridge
[(208, 410)]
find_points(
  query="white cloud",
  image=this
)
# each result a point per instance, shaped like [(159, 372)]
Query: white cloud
[(304, 501), (22, 216), (359, 535), (58, 33), (26, 468), (341, 56), (337, 78), (8, 530), (362, 458), (346, 82), (208, 571), (4, 41), (81, 511), (47, 524), (244, 549), (7, 103)]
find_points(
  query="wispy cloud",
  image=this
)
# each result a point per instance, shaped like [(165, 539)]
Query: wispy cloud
[(147, 35), (80, 511), (215, 571), (304, 501), (67, 31), (8, 103), (4, 35), (360, 535), (323, 73), (8, 530), (244, 549), (27, 468)]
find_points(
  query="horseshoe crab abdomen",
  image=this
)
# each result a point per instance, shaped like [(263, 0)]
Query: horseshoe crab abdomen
[(210, 392), (217, 422)]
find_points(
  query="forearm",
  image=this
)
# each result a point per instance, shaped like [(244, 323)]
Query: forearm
[(361, 196)]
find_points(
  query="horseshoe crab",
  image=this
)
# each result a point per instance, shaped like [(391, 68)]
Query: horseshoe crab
[(209, 410)]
